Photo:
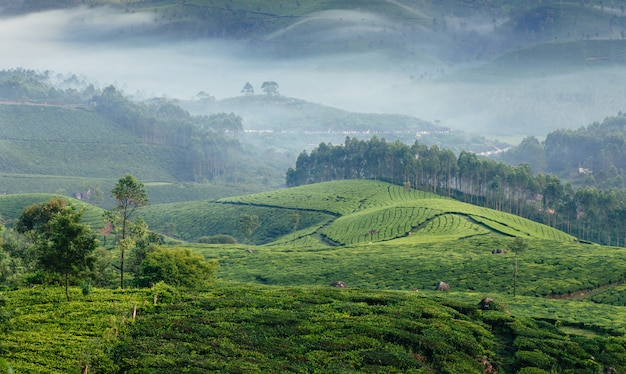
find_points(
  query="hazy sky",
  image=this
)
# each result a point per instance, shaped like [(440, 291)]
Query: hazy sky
[(79, 41)]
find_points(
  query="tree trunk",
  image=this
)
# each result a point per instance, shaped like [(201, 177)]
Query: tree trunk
[(122, 267), (67, 283), (515, 277)]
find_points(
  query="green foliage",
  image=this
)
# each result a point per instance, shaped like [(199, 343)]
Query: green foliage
[(130, 195), (67, 249), (5, 368), (392, 212), (248, 224), (176, 266), (86, 288), (519, 245), (233, 326), (14, 205), (612, 295), (59, 141), (217, 239), (62, 244), (545, 268), (48, 335), (5, 315), (36, 218), (156, 140), (301, 329), (339, 197)]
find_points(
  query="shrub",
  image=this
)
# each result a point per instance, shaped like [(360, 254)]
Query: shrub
[(532, 370), (217, 239), (535, 358), (177, 267), (5, 367), (86, 287), (164, 292)]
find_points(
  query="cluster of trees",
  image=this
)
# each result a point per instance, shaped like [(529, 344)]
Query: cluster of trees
[(24, 84), (270, 88), (49, 244), (588, 213), (589, 156)]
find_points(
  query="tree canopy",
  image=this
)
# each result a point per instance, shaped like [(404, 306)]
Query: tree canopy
[(176, 267), (248, 224), (270, 88), (247, 89), (63, 245)]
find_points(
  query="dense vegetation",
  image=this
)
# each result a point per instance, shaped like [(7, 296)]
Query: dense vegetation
[(592, 156), (237, 327)]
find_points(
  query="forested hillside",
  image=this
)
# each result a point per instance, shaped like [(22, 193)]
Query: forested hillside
[(291, 125), (593, 155)]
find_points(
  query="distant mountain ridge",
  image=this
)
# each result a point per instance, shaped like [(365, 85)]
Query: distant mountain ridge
[(305, 124), (450, 30)]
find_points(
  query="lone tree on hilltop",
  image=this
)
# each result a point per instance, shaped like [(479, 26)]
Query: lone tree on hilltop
[(130, 195), (247, 89), (270, 88), (63, 246)]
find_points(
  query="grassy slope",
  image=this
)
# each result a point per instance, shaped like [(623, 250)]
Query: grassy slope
[(45, 149), (450, 241), (49, 335)]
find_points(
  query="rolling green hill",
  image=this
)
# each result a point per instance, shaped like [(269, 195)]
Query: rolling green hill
[(378, 211)]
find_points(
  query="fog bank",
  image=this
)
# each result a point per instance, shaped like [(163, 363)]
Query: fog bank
[(97, 44)]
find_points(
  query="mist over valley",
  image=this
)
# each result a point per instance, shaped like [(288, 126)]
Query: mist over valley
[(472, 69)]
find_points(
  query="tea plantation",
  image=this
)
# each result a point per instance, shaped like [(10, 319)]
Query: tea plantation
[(557, 304)]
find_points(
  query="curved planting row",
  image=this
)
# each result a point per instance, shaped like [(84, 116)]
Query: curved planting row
[(523, 228), (451, 225), (377, 225), (339, 197)]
